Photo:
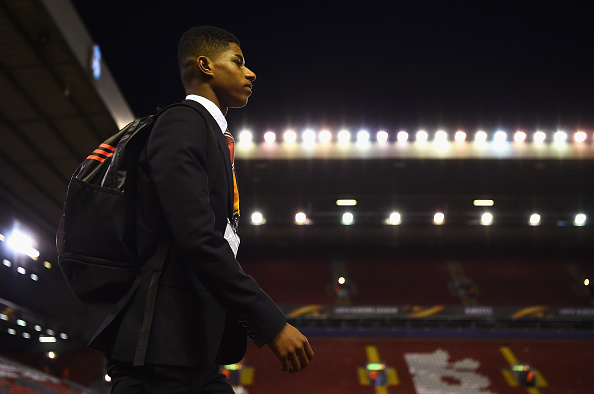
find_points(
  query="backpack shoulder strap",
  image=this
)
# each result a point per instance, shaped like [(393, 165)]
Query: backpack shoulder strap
[(158, 259)]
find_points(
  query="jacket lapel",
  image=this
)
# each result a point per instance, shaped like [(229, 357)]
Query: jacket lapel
[(224, 149)]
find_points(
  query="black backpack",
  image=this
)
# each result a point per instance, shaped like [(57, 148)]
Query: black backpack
[(96, 240)]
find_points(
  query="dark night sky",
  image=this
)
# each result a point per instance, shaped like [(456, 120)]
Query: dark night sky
[(446, 64)]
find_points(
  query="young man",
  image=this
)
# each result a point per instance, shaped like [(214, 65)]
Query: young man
[(205, 303)]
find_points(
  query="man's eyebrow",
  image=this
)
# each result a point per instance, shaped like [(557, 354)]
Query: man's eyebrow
[(240, 57)]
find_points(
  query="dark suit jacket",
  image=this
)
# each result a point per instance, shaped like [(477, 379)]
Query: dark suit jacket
[(205, 303)]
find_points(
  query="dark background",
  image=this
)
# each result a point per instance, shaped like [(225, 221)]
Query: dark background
[(392, 65)]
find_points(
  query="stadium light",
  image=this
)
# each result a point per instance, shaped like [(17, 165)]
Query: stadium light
[(580, 136), (394, 219), (402, 136), (560, 137), (290, 136), (539, 137), (301, 218), (347, 219), (363, 137), (325, 136), (422, 136), (534, 219), (500, 136), (344, 136), (269, 137), (483, 203), (480, 136), (460, 136), (519, 136), (22, 243), (382, 137), (439, 218), (257, 218), (309, 137), (441, 137), (245, 137), (487, 219), (346, 202), (579, 220)]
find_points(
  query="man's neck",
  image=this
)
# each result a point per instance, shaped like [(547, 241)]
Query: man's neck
[(211, 107)]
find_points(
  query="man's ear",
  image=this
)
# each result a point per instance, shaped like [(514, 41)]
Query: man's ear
[(204, 65)]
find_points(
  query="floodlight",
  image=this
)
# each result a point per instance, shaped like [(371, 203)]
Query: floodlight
[(290, 136), (483, 203), (269, 137), (422, 136), (480, 136), (539, 137), (534, 219), (580, 136), (394, 219), (300, 218), (519, 136), (439, 218), (500, 136), (309, 137), (402, 136), (579, 220), (344, 136), (382, 136), (441, 136), (487, 219), (362, 137), (347, 218), (325, 136), (560, 137), (460, 136), (245, 137), (257, 218), (22, 243)]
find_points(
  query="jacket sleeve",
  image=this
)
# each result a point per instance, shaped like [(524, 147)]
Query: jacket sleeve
[(177, 159)]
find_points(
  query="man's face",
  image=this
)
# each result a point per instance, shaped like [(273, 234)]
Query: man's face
[(232, 80)]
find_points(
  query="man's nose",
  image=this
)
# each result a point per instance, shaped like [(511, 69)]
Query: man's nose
[(250, 75)]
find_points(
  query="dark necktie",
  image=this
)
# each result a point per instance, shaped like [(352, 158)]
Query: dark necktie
[(231, 145)]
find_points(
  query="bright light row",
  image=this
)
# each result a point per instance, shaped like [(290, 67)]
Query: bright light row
[(47, 335), (309, 136), (20, 270), (395, 219)]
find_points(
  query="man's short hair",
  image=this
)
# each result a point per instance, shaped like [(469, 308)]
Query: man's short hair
[(202, 41)]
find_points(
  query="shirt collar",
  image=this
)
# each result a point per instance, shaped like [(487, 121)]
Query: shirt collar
[(211, 108)]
